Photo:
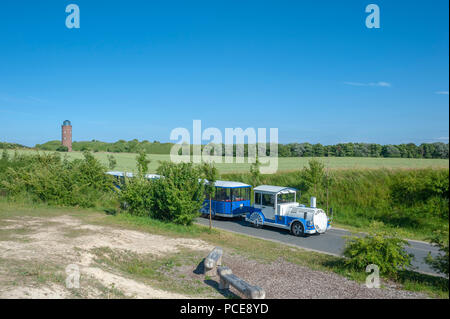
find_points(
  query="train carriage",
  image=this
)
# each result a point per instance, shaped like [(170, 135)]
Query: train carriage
[(232, 199)]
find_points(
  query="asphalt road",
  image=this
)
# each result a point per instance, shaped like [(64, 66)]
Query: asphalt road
[(331, 242)]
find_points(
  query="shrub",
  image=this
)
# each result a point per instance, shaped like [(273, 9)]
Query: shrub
[(387, 252), (5, 155), (411, 187), (440, 262), (314, 175), (255, 172), (136, 196), (178, 196), (112, 162), (142, 162), (48, 178), (62, 148)]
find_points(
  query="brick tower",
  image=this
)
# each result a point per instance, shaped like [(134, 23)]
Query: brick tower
[(66, 138)]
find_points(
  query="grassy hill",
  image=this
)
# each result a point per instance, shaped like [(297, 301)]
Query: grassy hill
[(5, 145), (120, 146)]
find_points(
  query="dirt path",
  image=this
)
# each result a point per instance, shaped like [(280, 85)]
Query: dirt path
[(33, 246)]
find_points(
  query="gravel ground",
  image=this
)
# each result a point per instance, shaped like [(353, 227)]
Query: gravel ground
[(286, 280)]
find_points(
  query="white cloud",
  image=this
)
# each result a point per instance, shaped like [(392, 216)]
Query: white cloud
[(442, 92), (443, 138), (385, 84), (379, 84)]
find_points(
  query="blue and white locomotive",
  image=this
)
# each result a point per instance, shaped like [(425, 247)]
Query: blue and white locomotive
[(277, 206), (232, 199)]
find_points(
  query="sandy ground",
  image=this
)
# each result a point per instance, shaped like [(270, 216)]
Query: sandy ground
[(45, 242)]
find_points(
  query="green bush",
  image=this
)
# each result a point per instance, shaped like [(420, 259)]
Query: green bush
[(112, 162), (142, 162), (440, 262), (62, 148), (178, 196), (48, 178), (136, 196), (313, 175), (385, 251), (410, 187)]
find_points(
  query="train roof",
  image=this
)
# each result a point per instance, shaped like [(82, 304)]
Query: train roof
[(230, 184), (152, 176), (116, 173), (120, 174), (274, 189), (226, 184)]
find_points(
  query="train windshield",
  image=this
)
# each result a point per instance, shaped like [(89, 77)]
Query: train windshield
[(286, 198)]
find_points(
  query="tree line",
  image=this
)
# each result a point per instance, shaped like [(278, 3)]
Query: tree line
[(409, 150)]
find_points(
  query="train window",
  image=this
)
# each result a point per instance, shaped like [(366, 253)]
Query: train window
[(240, 194), (285, 198), (227, 195), (268, 200), (218, 193), (246, 192), (236, 194), (223, 194), (257, 198)]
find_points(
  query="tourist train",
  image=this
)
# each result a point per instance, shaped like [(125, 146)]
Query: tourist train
[(274, 206)]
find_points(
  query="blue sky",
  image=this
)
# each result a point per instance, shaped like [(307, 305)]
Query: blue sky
[(138, 69)]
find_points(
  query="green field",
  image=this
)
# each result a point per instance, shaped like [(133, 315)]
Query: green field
[(127, 162)]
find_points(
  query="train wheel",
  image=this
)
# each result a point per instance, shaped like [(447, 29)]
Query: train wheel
[(297, 229), (256, 220)]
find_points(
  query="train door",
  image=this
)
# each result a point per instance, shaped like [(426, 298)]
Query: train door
[(268, 206), (257, 201)]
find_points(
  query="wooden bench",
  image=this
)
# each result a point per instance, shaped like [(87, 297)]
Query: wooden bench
[(227, 278), (213, 260)]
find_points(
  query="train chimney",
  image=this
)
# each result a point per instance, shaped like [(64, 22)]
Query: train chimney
[(313, 202)]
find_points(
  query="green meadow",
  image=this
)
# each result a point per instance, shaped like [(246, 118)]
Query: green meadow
[(127, 162)]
